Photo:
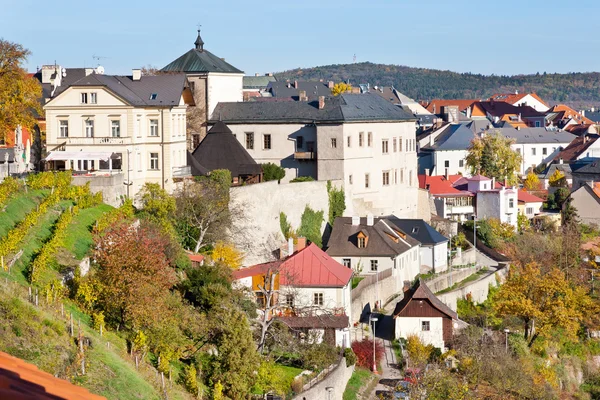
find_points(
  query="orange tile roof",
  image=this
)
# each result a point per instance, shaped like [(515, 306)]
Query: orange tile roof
[(513, 98), (439, 103), (596, 189), (20, 380), (568, 113), (525, 197), (439, 185)]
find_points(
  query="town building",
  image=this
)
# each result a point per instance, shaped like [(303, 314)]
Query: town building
[(372, 245), (444, 151), (586, 200), (516, 116), (582, 147), (522, 99), (492, 202), (360, 139), (422, 314), (312, 293), (299, 90), (448, 202), (120, 132), (529, 205), (585, 172), (212, 80), (564, 169), (256, 86)]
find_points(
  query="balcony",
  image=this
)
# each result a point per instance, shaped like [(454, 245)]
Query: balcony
[(96, 140), (305, 155)]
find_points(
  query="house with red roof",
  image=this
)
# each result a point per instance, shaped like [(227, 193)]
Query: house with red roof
[(449, 202), (522, 99), (529, 205), (311, 293)]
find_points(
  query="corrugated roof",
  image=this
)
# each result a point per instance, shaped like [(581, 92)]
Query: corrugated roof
[(257, 82)]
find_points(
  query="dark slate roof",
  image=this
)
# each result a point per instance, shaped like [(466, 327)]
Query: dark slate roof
[(536, 135), (313, 89), (72, 76), (420, 291), (500, 108), (593, 115), (343, 108), (196, 168), (343, 240), (454, 137), (257, 82), (576, 148), (200, 61), (221, 150), (168, 88), (589, 166), (564, 168), (419, 230)]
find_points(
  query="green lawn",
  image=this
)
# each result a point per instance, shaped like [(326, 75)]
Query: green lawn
[(360, 378), (78, 238), (18, 207), (288, 373), (356, 280), (470, 278)]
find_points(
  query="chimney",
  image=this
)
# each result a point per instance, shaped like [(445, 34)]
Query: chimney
[(406, 286), (330, 84), (446, 173), (290, 246), (136, 74), (505, 184), (355, 221), (302, 96), (426, 171), (321, 102), (295, 84), (493, 183), (256, 74), (431, 140), (468, 112), (269, 74), (370, 220), (301, 243), (560, 160), (89, 71)]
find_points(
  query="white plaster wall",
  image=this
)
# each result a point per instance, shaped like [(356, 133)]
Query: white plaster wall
[(453, 157), (336, 381), (224, 87), (530, 160), (532, 102), (478, 290), (592, 151), (495, 204), (536, 208), (384, 263), (427, 257), (407, 326)]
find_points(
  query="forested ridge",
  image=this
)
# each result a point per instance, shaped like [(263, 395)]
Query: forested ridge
[(578, 89)]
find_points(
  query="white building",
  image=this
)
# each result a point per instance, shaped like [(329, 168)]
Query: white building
[(312, 293), (501, 203), (371, 245), (120, 132), (523, 99), (361, 139), (444, 150)]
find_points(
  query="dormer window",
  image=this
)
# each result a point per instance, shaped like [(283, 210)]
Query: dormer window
[(361, 240), (153, 96)]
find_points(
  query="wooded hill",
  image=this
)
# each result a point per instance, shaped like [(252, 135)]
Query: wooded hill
[(576, 89)]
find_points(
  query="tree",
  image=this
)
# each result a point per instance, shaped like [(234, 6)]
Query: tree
[(226, 254), (134, 272), (19, 94), (532, 182), (272, 172), (337, 202), (310, 225), (557, 179), (340, 88), (202, 214), (156, 204), (207, 287), (492, 156)]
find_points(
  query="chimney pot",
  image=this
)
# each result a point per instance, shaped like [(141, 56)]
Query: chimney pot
[(296, 84), (355, 221), (136, 74), (301, 243), (290, 246), (370, 220), (427, 171), (321, 102)]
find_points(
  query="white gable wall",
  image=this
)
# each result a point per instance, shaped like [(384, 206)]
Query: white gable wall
[(408, 326)]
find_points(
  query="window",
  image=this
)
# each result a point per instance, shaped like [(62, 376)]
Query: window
[(115, 128), (447, 163), (362, 242), (289, 300), (153, 127), (386, 178), (529, 210), (533, 151), (384, 146), (374, 265), (461, 163), (537, 124), (400, 144), (402, 175), (395, 144), (425, 326), (84, 98), (299, 142), (349, 141), (267, 142), (93, 98), (367, 181), (544, 151), (318, 299), (370, 139), (410, 177), (511, 203), (89, 128), (395, 177), (154, 161), (63, 128), (250, 140), (347, 262), (153, 96), (333, 143), (350, 179), (361, 139)]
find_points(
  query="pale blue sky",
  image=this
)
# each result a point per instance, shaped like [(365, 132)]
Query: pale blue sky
[(501, 37)]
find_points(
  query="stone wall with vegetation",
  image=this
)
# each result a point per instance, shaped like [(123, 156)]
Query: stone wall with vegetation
[(336, 381)]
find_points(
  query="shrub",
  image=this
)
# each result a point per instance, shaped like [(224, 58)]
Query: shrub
[(286, 226), (9, 186), (418, 352), (310, 225), (222, 177), (349, 356), (190, 379), (272, 172), (318, 356), (337, 202), (97, 320), (364, 352), (302, 179), (297, 385)]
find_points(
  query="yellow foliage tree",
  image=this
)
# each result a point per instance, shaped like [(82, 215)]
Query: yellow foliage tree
[(340, 88), (532, 182), (492, 156), (227, 254), (558, 179)]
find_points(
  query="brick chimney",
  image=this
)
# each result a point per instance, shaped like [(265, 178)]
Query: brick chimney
[(321, 102), (301, 243), (296, 84), (302, 96)]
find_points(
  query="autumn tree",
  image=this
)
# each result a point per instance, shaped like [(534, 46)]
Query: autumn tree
[(557, 179), (156, 204), (19, 94), (134, 272), (340, 88), (532, 182), (492, 156), (227, 254)]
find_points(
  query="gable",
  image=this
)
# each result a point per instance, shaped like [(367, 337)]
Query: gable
[(421, 308), (71, 97)]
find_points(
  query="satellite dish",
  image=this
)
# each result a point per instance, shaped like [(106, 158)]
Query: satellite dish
[(100, 70), (64, 72)]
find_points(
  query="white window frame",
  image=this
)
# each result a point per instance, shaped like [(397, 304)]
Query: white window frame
[(385, 146), (154, 162), (367, 181), (63, 128), (115, 127), (385, 178), (267, 138), (93, 98), (153, 127), (347, 262), (83, 98), (426, 326), (89, 128), (374, 265), (318, 299)]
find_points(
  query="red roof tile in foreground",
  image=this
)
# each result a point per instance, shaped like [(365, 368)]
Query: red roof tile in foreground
[(525, 197), (309, 267), (22, 381), (439, 185), (195, 257)]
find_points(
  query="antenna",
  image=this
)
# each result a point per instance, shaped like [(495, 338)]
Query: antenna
[(97, 59), (354, 59)]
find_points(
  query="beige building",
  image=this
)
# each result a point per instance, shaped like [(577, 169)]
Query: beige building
[(360, 139), (120, 132)]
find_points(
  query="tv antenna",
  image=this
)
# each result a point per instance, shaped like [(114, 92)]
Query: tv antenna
[(97, 59), (354, 59)]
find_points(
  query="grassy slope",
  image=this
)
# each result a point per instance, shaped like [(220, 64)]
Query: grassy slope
[(18, 207), (360, 378), (79, 238)]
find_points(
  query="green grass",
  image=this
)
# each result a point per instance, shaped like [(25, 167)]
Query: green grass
[(78, 238), (356, 280), (467, 280), (288, 373), (18, 207), (360, 378)]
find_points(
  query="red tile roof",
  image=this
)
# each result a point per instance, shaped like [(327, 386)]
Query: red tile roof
[(309, 267), (525, 197), (576, 148), (478, 178), (568, 112), (462, 104), (513, 98), (22, 381), (439, 185), (195, 257)]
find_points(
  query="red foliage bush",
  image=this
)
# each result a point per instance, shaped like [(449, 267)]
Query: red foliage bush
[(364, 352)]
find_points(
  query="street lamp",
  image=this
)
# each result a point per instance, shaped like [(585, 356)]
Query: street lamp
[(329, 390), (373, 319), (506, 331)]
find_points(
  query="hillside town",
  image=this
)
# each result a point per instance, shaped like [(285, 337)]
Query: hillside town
[(196, 231)]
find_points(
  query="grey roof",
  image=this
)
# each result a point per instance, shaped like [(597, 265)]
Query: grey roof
[(588, 166), (593, 115), (343, 108), (221, 150), (257, 82), (536, 135), (72, 75), (168, 88), (454, 137), (564, 168), (313, 89), (199, 60), (419, 230), (343, 240), (11, 155), (479, 125)]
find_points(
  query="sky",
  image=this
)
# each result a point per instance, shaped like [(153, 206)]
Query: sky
[(490, 37)]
